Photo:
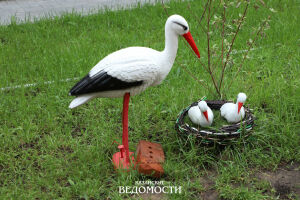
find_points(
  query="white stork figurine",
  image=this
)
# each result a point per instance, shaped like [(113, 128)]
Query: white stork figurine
[(201, 114), (234, 113), (130, 71)]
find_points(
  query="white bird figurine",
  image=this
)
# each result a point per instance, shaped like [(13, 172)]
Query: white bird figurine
[(234, 113), (130, 71), (201, 114)]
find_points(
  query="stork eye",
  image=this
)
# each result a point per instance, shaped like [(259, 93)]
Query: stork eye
[(183, 26)]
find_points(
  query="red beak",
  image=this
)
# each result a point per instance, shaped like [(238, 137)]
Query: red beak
[(239, 106), (205, 115), (190, 40)]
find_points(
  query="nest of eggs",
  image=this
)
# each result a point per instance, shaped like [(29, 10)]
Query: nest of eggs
[(223, 135)]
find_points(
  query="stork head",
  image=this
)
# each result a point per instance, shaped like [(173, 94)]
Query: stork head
[(180, 27), (203, 108), (178, 24), (241, 98)]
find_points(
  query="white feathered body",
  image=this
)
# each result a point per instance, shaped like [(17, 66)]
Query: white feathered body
[(130, 64), (230, 112), (198, 118), (135, 64)]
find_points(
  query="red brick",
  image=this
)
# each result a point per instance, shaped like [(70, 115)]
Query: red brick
[(150, 157)]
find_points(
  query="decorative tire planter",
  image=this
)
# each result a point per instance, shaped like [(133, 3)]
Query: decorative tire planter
[(224, 135)]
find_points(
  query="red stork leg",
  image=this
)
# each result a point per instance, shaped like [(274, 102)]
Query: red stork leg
[(125, 126), (119, 160)]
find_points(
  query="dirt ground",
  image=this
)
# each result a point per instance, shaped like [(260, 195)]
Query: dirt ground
[(285, 180), (208, 183)]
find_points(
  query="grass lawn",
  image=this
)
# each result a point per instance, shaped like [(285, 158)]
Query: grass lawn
[(48, 151)]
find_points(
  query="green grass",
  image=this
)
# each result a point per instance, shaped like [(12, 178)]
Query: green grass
[(48, 151)]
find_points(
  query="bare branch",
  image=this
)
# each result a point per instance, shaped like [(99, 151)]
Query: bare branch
[(213, 13), (208, 49), (198, 20), (223, 25), (164, 7), (203, 65), (206, 69), (231, 45), (194, 77), (203, 14), (245, 55), (189, 47), (222, 48), (207, 34)]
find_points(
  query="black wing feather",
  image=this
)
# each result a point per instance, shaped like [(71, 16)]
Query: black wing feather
[(101, 82)]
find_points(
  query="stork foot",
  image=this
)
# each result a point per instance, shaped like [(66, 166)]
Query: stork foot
[(120, 162)]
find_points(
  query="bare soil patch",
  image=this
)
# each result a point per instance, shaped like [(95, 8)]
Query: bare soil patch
[(208, 182), (285, 180)]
